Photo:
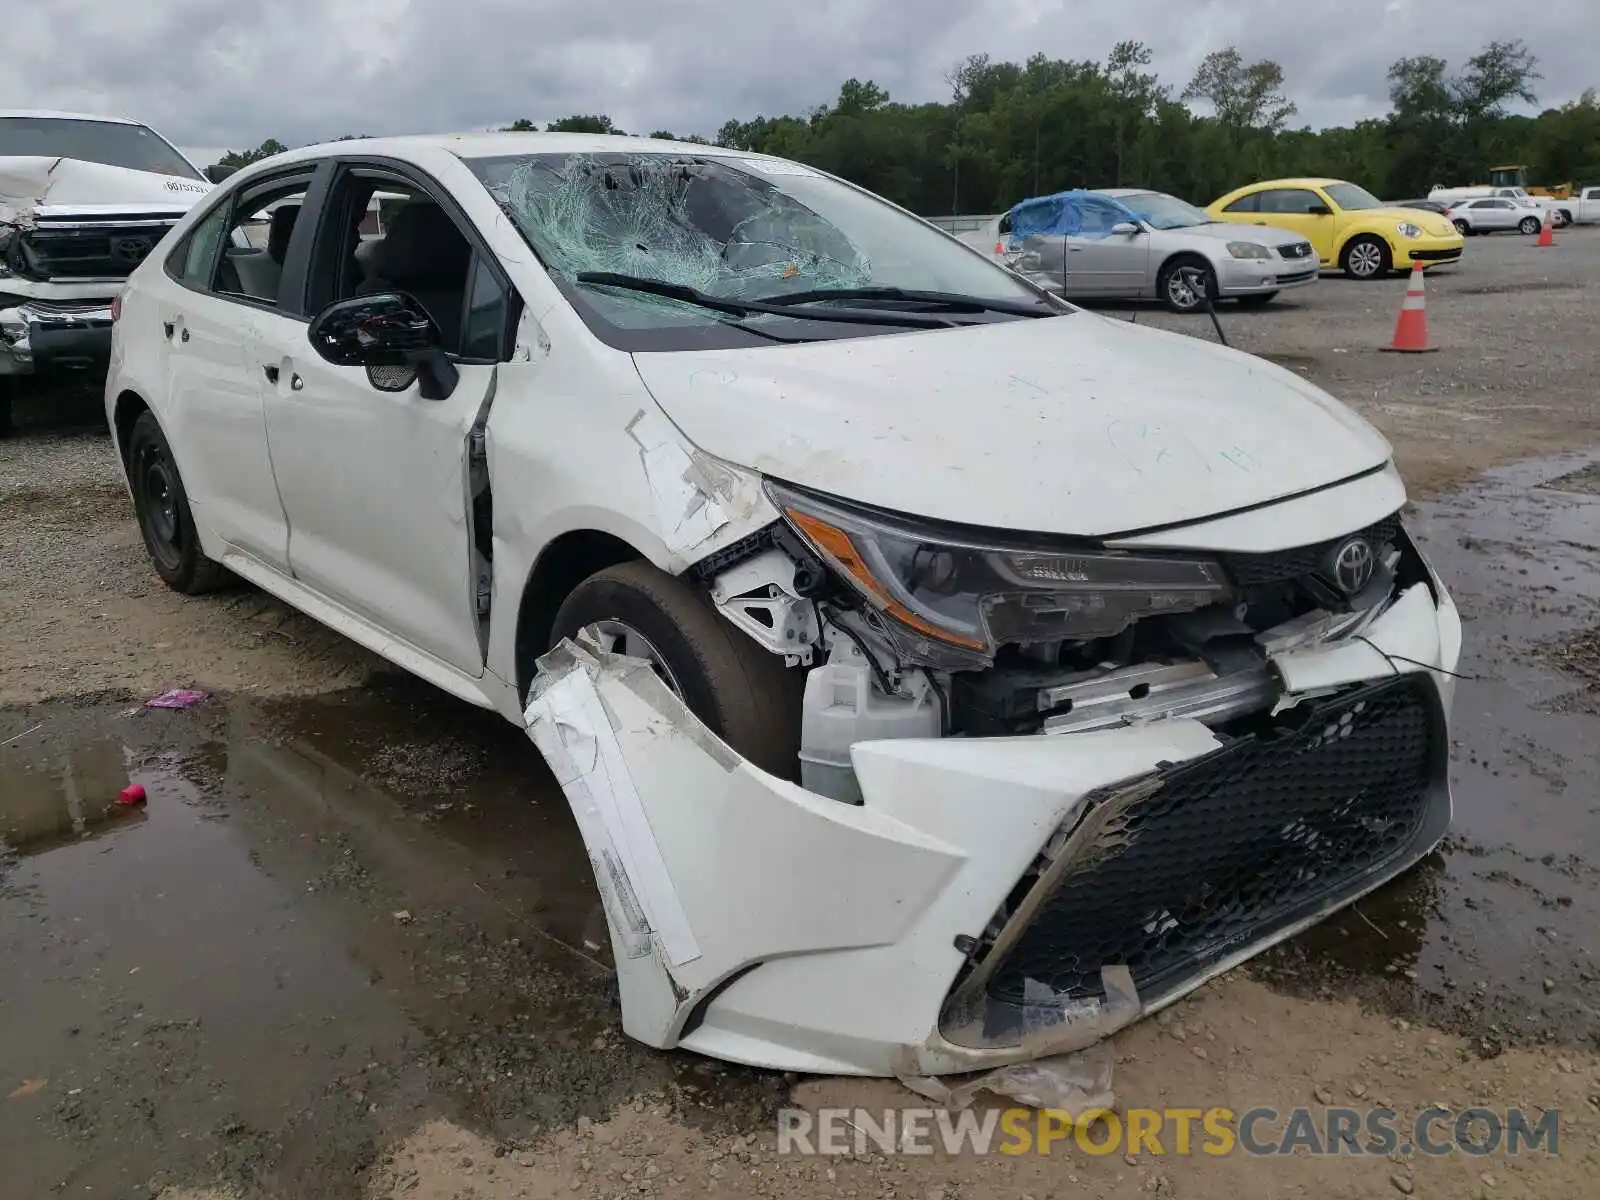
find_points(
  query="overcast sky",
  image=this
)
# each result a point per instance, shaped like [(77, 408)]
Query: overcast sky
[(219, 73)]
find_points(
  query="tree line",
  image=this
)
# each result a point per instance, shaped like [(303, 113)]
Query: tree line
[(1012, 130)]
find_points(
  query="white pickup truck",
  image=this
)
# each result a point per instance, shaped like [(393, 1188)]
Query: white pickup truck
[(83, 200), (1582, 207)]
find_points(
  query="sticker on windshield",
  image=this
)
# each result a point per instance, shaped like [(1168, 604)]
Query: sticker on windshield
[(773, 166)]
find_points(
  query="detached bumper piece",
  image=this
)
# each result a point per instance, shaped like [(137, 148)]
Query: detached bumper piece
[(37, 335), (1181, 873)]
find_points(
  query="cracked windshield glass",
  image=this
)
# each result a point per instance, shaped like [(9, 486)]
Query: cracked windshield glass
[(670, 232)]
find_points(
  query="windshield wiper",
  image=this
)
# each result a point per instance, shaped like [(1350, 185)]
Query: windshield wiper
[(744, 308), (949, 301)]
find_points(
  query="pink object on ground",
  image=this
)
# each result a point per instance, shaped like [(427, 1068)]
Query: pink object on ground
[(132, 794), (178, 698)]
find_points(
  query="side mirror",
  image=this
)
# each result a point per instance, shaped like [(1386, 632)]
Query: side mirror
[(1125, 228), (216, 172), (392, 336), (1320, 210)]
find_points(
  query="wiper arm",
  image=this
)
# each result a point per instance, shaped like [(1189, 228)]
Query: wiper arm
[(743, 308), (951, 301)]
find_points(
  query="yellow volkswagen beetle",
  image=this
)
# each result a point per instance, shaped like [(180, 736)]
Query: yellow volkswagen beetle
[(1349, 227)]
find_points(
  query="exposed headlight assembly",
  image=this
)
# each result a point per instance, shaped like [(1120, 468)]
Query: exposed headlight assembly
[(952, 603), (1406, 229), (1248, 250)]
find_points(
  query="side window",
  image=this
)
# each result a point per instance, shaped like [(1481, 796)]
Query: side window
[(384, 233), (1592, 194), (193, 262), (1246, 204), (1289, 201), (1098, 216), (1005, 225), (264, 218), (484, 332)]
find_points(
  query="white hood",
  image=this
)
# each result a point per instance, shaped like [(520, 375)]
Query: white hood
[(28, 184), (1071, 425)]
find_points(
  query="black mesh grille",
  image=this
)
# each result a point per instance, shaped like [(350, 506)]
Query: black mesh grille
[(1251, 570), (1295, 250), (1234, 846)]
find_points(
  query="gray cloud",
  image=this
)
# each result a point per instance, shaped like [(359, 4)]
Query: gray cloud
[(214, 72)]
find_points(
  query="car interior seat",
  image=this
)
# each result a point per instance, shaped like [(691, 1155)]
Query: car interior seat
[(425, 255)]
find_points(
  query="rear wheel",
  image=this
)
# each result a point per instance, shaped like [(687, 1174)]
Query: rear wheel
[(1366, 257), (1257, 300), (1561, 218), (1184, 284), (1529, 225), (165, 518), (7, 386), (742, 693)]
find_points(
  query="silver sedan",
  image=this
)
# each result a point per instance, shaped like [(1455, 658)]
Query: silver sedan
[(1129, 243)]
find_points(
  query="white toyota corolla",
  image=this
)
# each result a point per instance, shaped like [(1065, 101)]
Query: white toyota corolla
[(941, 676)]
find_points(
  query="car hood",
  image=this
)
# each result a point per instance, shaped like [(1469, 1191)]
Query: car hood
[(36, 185), (1070, 425), (1261, 235)]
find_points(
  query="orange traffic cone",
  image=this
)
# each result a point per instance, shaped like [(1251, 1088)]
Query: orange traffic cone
[(1411, 330), (1547, 231), (999, 249)]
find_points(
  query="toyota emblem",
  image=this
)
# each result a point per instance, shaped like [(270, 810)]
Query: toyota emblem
[(1353, 565), (130, 250)]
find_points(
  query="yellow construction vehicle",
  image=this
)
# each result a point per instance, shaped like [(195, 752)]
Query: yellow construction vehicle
[(1517, 176)]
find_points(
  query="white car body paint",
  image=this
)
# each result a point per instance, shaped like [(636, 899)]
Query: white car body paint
[(751, 919)]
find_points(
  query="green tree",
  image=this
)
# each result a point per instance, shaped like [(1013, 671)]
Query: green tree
[(596, 123), (1245, 96)]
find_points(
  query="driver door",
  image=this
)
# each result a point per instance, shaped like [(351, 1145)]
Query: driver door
[(1294, 209), (375, 483), (1102, 262)]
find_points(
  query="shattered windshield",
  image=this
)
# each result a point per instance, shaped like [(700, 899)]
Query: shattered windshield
[(733, 230), (110, 143), (1162, 211), (1352, 198)]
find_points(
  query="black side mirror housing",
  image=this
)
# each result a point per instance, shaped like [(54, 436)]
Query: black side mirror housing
[(392, 336), (1320, 210), (216, 172)]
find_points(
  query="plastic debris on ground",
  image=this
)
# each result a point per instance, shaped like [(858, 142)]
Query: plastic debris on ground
[(1075, 1083), (132, 794), (177, 698)]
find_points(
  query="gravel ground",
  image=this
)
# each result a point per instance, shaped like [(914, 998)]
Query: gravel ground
[(347, 949)]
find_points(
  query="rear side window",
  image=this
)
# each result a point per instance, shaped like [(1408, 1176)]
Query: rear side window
[(1250, 203), (195, 261)]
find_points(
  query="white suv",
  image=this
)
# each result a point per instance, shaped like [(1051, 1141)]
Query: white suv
[(940, 675)]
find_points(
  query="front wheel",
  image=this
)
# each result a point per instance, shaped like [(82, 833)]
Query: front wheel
[(1185, 283), (743, 693), (165, 518), (1462, 227), (1529, 225), (1367, 257), (1258, 300)]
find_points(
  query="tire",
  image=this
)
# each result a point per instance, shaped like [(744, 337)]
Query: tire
[(1462, 228), (743, 694), (1259, 300), (7, 389), (1529, 225), (1180, 296), (1562, 218), (165, 519), (1366, 257)]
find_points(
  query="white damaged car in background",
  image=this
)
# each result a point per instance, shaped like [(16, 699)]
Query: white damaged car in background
[(82, 201), (942, 677)]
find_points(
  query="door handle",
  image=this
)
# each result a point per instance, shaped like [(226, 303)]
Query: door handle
[(270, 370), (169, 327)]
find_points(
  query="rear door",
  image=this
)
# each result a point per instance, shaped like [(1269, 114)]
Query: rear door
[(211, 326)]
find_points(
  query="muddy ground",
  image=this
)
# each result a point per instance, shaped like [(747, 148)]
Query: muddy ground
[(350, 947)]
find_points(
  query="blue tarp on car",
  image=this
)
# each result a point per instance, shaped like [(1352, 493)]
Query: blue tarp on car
[(1077, 213)]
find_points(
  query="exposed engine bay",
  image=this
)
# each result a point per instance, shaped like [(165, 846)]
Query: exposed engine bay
[(910, 631)]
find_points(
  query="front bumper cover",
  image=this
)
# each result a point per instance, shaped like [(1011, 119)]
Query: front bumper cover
[(756, 922), (39, 335)]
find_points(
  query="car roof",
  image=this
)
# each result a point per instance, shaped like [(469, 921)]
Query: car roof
[(493, 144), (45, 114), (1304, 181)]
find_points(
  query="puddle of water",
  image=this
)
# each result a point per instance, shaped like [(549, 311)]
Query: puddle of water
[(1498, 936), (276, 965)]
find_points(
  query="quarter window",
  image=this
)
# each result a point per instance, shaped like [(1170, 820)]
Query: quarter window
[(1250, 203), (196, 259)]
